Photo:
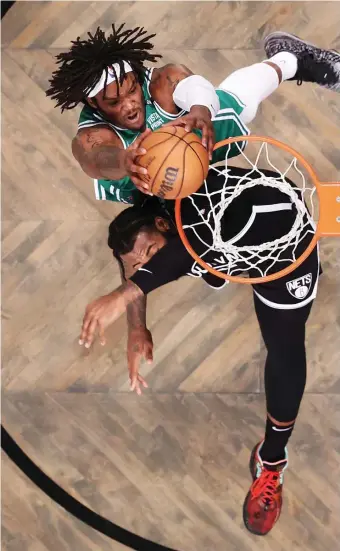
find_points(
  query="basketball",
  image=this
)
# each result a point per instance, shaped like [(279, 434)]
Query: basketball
[(176, 161)]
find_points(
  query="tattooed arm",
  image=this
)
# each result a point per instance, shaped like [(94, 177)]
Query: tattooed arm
[(100, 154), (175, 87), (136, 311), (140, 344), (163, 83), (105, 310)]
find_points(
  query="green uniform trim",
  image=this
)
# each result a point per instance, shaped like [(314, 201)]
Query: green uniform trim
[(227, 124)]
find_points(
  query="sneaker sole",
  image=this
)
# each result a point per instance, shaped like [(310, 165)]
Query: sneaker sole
[(283, 34), (244, 510), (251, 462)]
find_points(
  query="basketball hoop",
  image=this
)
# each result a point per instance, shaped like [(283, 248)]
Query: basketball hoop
[(316, 205)]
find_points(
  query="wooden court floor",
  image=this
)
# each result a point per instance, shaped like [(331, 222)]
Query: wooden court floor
[(171, 465)]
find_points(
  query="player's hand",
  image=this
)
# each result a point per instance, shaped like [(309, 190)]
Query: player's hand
[(140, 346), (137, 173), (99, 314), (199, 117)]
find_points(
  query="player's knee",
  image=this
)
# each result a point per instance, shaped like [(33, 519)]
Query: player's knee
[(287, 353), (249, 112)]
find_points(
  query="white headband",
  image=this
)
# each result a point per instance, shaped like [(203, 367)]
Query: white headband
[(110, 77)]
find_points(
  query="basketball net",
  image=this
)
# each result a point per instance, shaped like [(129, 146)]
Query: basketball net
[(316, 204)]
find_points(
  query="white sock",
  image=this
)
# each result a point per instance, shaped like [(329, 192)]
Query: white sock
[(287, 63)]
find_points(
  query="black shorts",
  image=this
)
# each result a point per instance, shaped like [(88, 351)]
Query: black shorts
[(294, 290)]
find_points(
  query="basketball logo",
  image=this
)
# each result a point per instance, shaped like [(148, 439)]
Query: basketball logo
[(168, 181), (176, 161), (301, 292), (299, 288)]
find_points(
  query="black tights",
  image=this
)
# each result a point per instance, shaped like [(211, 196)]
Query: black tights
[(283, 332)]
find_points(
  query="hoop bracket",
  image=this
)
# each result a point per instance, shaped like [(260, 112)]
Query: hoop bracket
[(329, 220)]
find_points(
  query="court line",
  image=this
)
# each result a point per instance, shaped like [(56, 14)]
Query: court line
[(72, 505)]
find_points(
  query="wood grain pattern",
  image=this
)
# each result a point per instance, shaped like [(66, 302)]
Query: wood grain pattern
[(32, 522), (172, 465)]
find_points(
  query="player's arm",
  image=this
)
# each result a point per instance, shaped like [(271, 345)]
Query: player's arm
[(136, 311), (100, 154), (170, 263), (164, 82), (139, 343), (105, 310), (193, 93)]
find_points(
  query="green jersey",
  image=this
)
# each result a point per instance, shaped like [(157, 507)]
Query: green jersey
[(227, 124)]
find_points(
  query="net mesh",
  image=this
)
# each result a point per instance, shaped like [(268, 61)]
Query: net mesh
[(268, 256)]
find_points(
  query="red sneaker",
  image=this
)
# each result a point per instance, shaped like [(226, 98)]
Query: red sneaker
[(262, 506)]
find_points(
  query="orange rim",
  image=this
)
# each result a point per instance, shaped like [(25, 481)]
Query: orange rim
[(284, 271)]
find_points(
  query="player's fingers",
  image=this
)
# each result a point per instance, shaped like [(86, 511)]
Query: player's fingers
[(86, 322), (138, 389), (102, 338), (134, 364), (190, 123), (141, 186), (211, 143), (139, 151), (140, 138), (90, 332), (141, 181), (205, 133), (178, 122), (137, 169), (135, 385), (133, 381), (142, 381)]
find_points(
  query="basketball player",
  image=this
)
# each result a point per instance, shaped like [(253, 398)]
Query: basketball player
[(152, 254), (122, 98)]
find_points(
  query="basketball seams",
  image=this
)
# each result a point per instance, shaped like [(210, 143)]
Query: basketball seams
[(144, 179), (197, 155), (164, 160), (158, 143), (189, 145), (160, 166), (184, 163), (183, 172)]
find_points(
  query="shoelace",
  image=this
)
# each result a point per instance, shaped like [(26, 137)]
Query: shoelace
[(304, 64), (265, 486), (308, 68)]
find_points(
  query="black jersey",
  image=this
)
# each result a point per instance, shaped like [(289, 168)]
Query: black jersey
[(259, 214)]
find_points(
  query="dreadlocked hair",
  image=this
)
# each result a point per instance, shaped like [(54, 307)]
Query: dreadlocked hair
[(83, 65), (124, 229)]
